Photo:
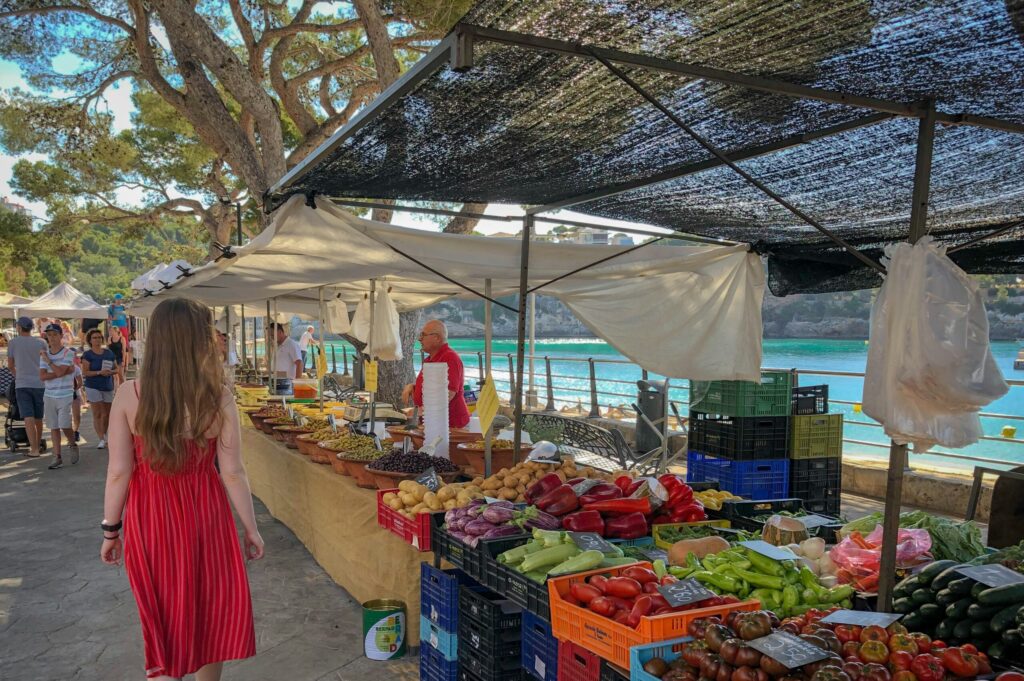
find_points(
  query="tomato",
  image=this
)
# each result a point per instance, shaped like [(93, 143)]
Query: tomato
[(927, 667), (621, 616), (900, 660), (813, 615), (830, 673), (923, 641), (584, 593), (640, 574), (938, 645), (850, 649), (896, 628), (874, 651), (969, 648), (602, 606), (848, 632), (599, 582), (983, 665), (902, 642), (874, 672), (874, 633), (651, 588), (904, 675), (960, 663), (623, 587), (640, 609), (852, 668), (1010, 676)]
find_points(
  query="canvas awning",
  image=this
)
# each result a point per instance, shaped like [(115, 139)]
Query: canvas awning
[(63, 301), (9, 302)]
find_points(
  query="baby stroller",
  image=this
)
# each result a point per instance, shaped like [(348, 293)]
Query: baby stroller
[(15, 434)]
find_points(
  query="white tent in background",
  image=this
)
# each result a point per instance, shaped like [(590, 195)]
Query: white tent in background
[(63, 301), (9, 302)]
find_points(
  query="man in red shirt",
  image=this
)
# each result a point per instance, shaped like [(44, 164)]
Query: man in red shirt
[(434, 341)]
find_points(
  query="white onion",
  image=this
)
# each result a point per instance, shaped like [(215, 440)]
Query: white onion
[(813, 548)]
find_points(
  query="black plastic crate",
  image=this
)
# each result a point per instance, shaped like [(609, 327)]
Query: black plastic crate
[(485, 560), (445, 545), (810, 399), (500, 643), (475, 666), (826, 507), (740, 509), (523, 591), (740, 438), (610, 672), (818, 482), (493, 611)]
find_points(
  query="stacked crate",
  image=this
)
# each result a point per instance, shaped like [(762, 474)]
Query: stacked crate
[(815, 451), (490, 636), (739, 435), (439, 621)]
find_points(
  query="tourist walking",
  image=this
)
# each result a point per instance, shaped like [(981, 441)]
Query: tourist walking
[(118, 345), (304, 340), (57, 371), (98, 366), (117, 317), (180, 547), (76, 401), (23, 361), (287, 360)]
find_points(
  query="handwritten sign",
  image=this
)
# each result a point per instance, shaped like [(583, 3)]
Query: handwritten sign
[(862, 618), (812, 521), (370, 376), (788, 650), (684, 592), (430, 479), (302, 420), (654, 554), (992, 575), (768, 550), (291, 414), (591, 541)]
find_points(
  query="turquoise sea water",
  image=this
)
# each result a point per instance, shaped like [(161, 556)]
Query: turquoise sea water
[(571, 384)]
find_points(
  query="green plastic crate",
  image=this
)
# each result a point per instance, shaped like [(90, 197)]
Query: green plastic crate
[(816, 435), (771, 397)]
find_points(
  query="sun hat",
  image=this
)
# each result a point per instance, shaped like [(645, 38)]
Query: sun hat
[(118, 296)]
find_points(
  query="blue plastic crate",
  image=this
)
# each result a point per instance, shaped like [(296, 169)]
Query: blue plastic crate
[(757, 479), (666, 650), (433, 666), (445, 642), (439, 595), (540, 648)]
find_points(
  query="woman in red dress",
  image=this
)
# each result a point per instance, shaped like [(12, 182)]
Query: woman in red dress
[(181, 548)]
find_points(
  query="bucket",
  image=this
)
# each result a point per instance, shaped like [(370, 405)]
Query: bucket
[(384, 629)]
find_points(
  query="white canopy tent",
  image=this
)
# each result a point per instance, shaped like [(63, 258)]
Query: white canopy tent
[(683, 312), (63, 301), (9, 302)]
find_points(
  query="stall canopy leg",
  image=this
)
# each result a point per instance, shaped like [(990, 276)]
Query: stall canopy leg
[(488, 334), (524, 273), (898, 453)]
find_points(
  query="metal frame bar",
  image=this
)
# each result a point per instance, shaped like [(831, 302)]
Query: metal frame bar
[(984, 237), (975, 496), (524, 277), (592, 264), (450, 280)]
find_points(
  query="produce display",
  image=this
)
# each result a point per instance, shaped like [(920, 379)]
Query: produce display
[(812, 553), (413, 498), (359, 447), (680, 506), (1011, 557), (951, 539), (713, 498), (551, 552), (413, 462), (495, 444), (511, 484), (323, 433), (677, 533), (941, 602), (480, 520)]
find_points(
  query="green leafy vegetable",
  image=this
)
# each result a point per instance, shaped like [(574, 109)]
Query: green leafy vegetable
[(952, 540)]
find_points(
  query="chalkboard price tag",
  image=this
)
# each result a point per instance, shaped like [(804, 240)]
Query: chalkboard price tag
[(768, 550), (812, 521), (591, 541), (684, 592), (788, 650), (992, 575), (654, 554), (302, 420), (862, 618), (430, 479), (291, 414), (332, 422)]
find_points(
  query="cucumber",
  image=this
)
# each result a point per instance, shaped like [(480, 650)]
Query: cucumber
[(958, 609), (922, 596), (979, 631), (961, 587), (929, 612), (962, 630), (903, 606), (999, 650), (934, 570), (945, 629), (945, 597), (1004, 619), (1020, 615), (1008, 594), (908, 586), (946, 576), (916, 622), (980, 612), (977, 589), (1013, 638)]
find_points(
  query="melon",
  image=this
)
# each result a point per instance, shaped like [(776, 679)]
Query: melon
[(780, 530)]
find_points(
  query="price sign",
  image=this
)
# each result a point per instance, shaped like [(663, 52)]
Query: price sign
[(992, 575), (654, 554), (788, 650), (684, 592), (581, 488), (332, 422), (812, 521), (591, 541), (302, 420), (370, 375), (861, 618), (430, 479), (768, 550)]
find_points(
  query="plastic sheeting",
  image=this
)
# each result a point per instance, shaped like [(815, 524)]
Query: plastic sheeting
[(683, 312), (386, 342), (930, 369)]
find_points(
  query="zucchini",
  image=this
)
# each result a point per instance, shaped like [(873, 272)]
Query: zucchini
[(945, 597), (980, 612), (946, 576), (922, 596), (1020, 615), (930, 612), (999, 650), (1008, 594), (908, 586), (979, 631), (1004, 619), (961, 587), (903, 606), (916, 622), (958, 609), (945, 629), (933, 570), (962, 630), (977, 589), (1013, 637)]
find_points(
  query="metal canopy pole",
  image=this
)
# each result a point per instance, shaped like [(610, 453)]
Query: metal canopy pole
[(898, 453), (524, 273), (323, 355), (273, 346), (488, 335), (244, 353), (369, 352), (532, 393)]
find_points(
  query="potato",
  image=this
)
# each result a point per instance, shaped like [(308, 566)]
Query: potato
[(492, 484), (426, 510), (472, 488), (463, 498), (417, 507), (521, 490), (419, 491), (508, 494), (477, 481), (450, 504), (445, 493), (561, 476), (395, 504), (407, 499), (407, 485)]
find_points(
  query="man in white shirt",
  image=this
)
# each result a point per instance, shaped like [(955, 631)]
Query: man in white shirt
[(304, 341), (57, 372), (287, 360)]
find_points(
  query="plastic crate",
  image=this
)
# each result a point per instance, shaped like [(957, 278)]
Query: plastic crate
[(743, 438), (657, 530), (490, 643), (484, 668), (759, 479), (510, 583), (816, 436), (439, 595), (444, 544), (818, 479), (433, 666), (770, 397), (639, 541), (640, 655), (826, 507), (539, 656), (611, 672), (738, 509), (809, 399), (607, 638), (445, 642), (476, 557), (416, 533), (492, 611), (576, 663)]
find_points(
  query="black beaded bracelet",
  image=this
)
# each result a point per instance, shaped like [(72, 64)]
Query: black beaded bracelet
[(111, 528)]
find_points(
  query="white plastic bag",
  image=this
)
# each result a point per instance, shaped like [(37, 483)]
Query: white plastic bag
[(336, 316)]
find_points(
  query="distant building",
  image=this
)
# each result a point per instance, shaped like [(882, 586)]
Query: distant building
[(504, 235), (620, 239), (591, 236), (8, 205)]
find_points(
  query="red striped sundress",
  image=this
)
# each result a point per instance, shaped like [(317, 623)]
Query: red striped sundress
[(185, 567)]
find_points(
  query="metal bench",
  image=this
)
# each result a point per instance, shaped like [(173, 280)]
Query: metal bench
[(581, 438)]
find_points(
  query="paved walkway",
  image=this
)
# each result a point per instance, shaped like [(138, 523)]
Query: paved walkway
[(65, 615)]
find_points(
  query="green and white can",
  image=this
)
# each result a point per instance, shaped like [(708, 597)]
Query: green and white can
[(384, 629)]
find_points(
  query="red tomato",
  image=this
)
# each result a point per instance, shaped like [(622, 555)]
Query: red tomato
[(640, 574), (900, 660), (923, 641), (851, 649), (928, 668), (904, 675), (621, 603), (874, 672), (621, 616), (584, 593), (874, 651), (602, 606), (969, 648), (938, 645), (874, 633), (1010, 676), (623, 587), (902, 642), (651, 588), (848, 632), (960, 662), (896, 628), (600, 582)]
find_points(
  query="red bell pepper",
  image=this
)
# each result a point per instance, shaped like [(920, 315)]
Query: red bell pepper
[(623, 482), (559, 501), (601, 493), (584, 521), (619, 506), (629, 526), (538, 489), (691, 513), (679, 493)]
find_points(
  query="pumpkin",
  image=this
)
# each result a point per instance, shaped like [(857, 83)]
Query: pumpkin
[(780, 530), (704, 546)]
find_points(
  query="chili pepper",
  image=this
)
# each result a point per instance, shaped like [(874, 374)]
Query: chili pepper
[(601, 493), (763, 563), (559, 501), (620, 506), (756, 579), (629, 526), (721, 581), (584, 521), (538, 489)]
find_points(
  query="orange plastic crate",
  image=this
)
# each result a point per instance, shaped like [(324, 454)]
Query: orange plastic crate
[(413, 532), (611, 640)]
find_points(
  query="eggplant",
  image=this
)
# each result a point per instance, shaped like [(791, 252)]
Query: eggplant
[(501, 531), (477, 528), (497, 515), (451, 515), (543, 521)]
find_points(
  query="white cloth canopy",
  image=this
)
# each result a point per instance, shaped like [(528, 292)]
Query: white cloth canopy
[(9, 302), (680, 311), (63, 301)]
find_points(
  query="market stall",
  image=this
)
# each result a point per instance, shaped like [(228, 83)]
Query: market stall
[(63, 301)]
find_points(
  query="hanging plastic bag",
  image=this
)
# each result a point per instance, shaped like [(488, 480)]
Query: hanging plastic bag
[(360, 326), (387, 339), (859, 558), (336, 316)]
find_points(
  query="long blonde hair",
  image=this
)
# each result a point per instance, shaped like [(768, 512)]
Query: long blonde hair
[(182, 383)]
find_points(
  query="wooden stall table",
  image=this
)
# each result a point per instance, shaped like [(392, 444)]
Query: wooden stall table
[(337, 522)]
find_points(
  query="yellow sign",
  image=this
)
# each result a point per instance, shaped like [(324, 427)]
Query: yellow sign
[(321, 364), (487, 404), (370, 375)]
